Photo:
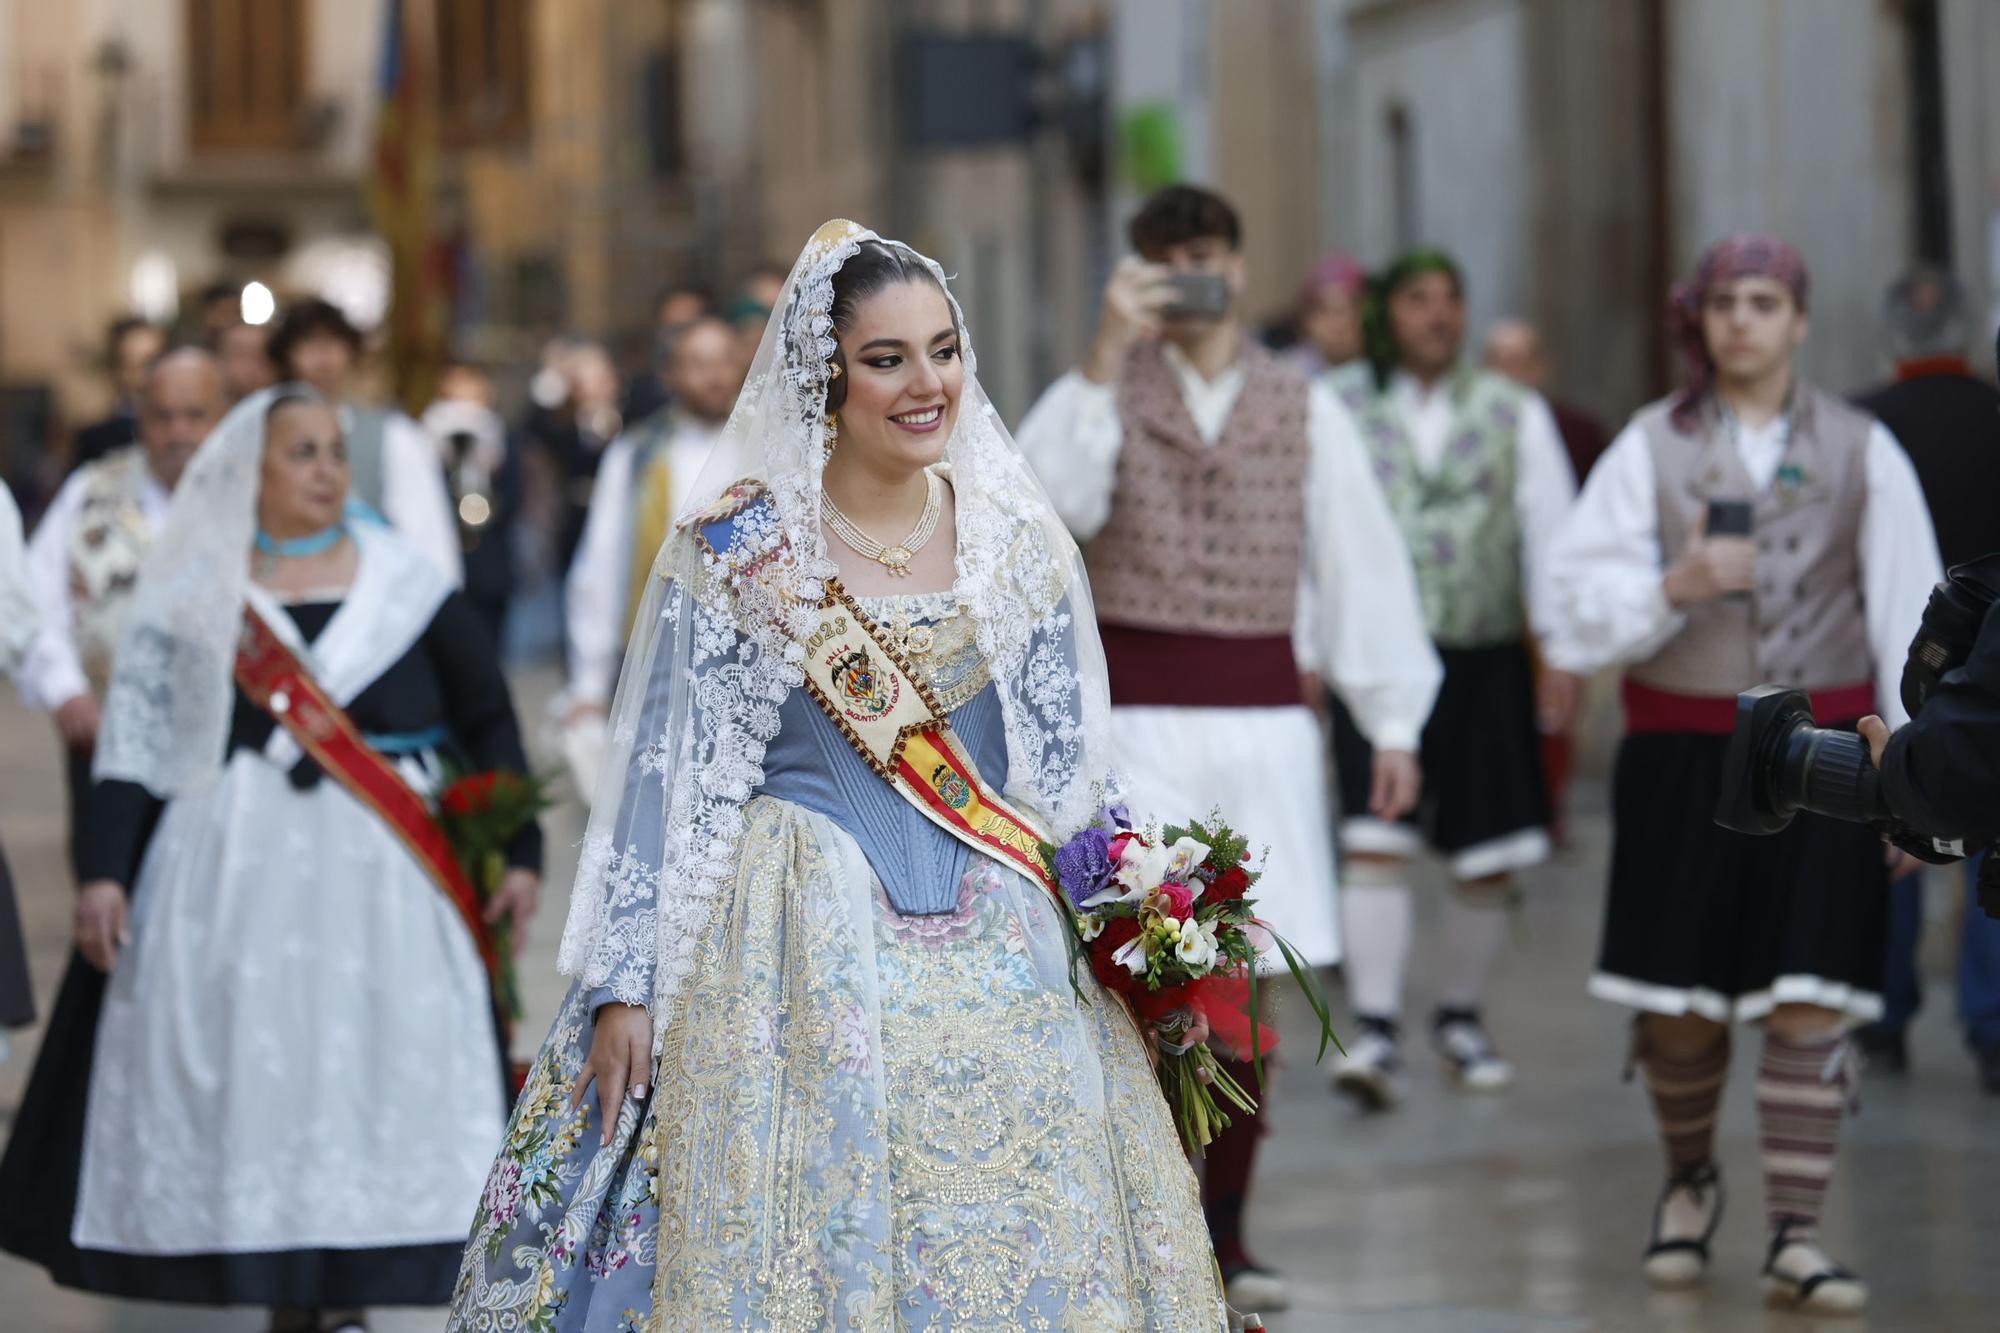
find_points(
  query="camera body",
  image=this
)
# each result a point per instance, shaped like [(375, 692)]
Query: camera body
[(1779, 762), (1198, 296)]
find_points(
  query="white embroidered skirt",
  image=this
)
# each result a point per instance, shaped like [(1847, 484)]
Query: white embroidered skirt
[(860, 1120), (297, 1048)]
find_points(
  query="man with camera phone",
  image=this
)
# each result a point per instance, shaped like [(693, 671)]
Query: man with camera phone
[(1749, 529), (1234, 539)]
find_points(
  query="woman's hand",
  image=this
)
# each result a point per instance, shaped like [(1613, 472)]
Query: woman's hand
[(515, 901), (101, 922), (621, 1051)]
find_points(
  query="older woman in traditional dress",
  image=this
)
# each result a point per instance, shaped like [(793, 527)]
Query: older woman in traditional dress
[(287, 1088)]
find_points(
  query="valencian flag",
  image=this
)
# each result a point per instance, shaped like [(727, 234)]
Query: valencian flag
[(401, 194)]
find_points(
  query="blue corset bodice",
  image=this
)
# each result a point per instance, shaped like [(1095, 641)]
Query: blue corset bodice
[(810, 764)]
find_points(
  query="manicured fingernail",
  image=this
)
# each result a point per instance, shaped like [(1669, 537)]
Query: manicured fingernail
[(639, 1091)]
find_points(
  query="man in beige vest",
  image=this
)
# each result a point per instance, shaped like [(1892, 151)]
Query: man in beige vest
[(1821, 588), (88, 549), (1233, 536)]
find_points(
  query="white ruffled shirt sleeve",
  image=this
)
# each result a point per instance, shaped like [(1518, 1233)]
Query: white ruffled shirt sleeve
[(1899, 565), (1544, 493), (1071, 437), (595, 590), (51, 673), (414, 497), (20, 620), (1361, 622), (1605, 566)]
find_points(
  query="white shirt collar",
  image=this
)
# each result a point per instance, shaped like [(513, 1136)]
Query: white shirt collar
[(1209, 401), (1761, 448)]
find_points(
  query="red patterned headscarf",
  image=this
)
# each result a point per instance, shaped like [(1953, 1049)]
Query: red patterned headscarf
[(1742, 256)]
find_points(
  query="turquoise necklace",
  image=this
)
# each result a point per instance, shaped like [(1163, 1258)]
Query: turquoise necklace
[(294, 547)]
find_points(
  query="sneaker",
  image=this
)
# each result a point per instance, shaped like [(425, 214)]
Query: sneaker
[(1800, 1276), (1254, 1290), (1367, 1073), (1462, 1041), (1684, 1222)]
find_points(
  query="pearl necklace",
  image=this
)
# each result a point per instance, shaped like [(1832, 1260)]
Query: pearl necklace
[(896, 557)]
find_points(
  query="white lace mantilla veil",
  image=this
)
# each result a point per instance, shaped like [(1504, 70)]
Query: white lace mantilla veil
[(173, 677), (730, 628)]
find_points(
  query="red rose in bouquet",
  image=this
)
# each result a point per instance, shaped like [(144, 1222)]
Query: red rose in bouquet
[(480, 814), (1230, 885)]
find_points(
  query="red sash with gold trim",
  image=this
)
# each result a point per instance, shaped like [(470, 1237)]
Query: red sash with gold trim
[(887, 712), (278, 683)]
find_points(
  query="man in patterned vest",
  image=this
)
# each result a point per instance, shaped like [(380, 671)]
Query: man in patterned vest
[(1475, 471), (1233, 536), (1822, 589), (88, 550)]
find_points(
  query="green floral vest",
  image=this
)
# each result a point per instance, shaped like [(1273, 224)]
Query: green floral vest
[(1459, 521)]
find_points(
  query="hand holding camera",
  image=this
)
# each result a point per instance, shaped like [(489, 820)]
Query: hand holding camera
[(1779, 763), (1135, 300), (1721, 561)]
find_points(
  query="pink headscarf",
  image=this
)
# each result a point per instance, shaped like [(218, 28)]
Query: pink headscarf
[(1336, 269), (1741, 256)]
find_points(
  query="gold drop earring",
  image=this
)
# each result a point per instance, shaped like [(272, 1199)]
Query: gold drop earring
[(833, 372)]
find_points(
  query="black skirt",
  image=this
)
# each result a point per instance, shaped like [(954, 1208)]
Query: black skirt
[(1481, 753), (1702, 920), (38, 1185), (17, 995)]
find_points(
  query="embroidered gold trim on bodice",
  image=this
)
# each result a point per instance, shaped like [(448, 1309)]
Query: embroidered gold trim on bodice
[(941, 640)]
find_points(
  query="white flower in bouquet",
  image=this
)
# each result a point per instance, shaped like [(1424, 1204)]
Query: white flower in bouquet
[(1089, 925), (1141, 869), (1197, 947), (1132, 956), (1182, 858)]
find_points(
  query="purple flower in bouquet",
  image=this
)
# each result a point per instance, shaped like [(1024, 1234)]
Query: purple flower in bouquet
[(1120, 817), (1084, 864)]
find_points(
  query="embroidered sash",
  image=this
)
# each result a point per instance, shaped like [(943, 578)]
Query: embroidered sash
[(277, 682), (888, 713)]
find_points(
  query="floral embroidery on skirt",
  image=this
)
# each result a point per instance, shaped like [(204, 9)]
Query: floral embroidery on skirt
[(865, 1121)]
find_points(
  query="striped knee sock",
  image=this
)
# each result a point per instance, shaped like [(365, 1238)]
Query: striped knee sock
[(1686, 1091), (1802, 1086)]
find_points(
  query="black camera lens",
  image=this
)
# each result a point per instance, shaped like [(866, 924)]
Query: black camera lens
[(1779, 763), (1825, 771)]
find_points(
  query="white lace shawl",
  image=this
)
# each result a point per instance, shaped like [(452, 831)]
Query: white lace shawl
[(167, 711), (719, 638)]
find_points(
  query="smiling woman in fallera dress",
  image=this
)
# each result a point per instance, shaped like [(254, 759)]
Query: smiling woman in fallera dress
[(853, 1084)]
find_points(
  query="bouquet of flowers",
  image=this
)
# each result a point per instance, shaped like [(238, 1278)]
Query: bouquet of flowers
[(480, 813), (1164, 921)]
